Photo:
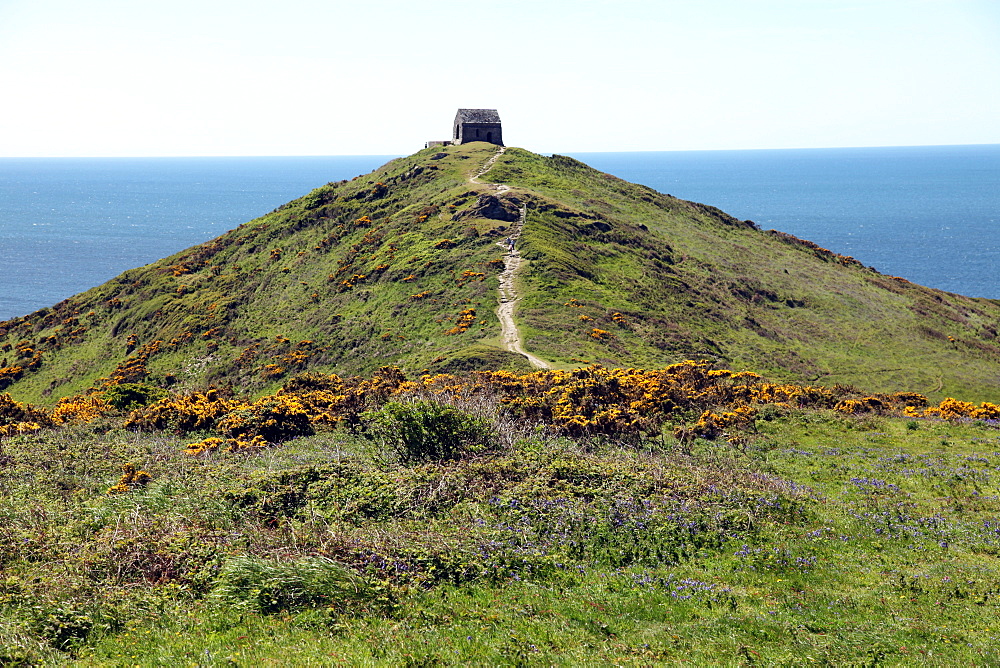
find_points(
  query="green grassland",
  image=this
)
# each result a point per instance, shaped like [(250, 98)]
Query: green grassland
[(164, 517), (813, 537), (382, 270)]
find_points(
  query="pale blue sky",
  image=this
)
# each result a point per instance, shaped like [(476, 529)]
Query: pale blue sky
[(336, 77)]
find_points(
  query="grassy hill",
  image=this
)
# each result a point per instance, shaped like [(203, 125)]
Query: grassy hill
[(692, 281), (399, 267)]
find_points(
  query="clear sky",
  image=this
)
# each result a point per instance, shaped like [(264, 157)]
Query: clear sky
[(343, 77)]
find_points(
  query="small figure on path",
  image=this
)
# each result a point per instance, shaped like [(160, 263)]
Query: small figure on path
[(510, 244)]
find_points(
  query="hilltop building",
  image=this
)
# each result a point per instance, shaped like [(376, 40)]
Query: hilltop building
[(477, 125), (474, 125)]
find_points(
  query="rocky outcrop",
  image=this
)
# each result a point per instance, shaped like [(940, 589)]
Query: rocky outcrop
[(492, 207)]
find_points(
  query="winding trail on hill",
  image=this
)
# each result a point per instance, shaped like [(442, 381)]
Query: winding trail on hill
[(509, 333)]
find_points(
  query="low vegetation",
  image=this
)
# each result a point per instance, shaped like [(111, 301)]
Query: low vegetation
[(597, 516)]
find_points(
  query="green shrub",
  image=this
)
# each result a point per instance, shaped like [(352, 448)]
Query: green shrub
[(129, 396), (426, 431), (270, 586), (63, 626)]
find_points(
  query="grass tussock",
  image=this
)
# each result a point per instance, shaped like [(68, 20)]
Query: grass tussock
[(268, 586)]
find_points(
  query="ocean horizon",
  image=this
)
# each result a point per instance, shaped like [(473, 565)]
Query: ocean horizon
[(929, 214)]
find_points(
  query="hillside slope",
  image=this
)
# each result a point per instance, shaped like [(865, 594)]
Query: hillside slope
[(400, 267)]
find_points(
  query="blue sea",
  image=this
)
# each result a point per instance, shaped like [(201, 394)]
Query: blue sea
[(929, 214)]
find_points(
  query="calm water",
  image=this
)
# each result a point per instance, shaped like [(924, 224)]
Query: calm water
[(927, 213)]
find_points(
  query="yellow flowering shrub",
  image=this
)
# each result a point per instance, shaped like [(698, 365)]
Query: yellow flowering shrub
[(18, 428), (862, 405), (272, 371), (133, 369), (20, 418), (213, 443), (582, 402), (622, 401), (274, 418), (464, 320), (953, 409), (131, 479), (328, 407), (9, 374), (81, 408), (198, 411), (207, 445)]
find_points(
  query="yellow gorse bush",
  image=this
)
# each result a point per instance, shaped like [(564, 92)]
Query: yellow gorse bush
[(18, 428), (213, 443), (198, 411), (19, 418), (81, 408), (132, 478), (953, 409), (464, 320), (689, 399)]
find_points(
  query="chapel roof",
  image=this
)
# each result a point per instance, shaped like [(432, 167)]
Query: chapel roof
[(477, 116)]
